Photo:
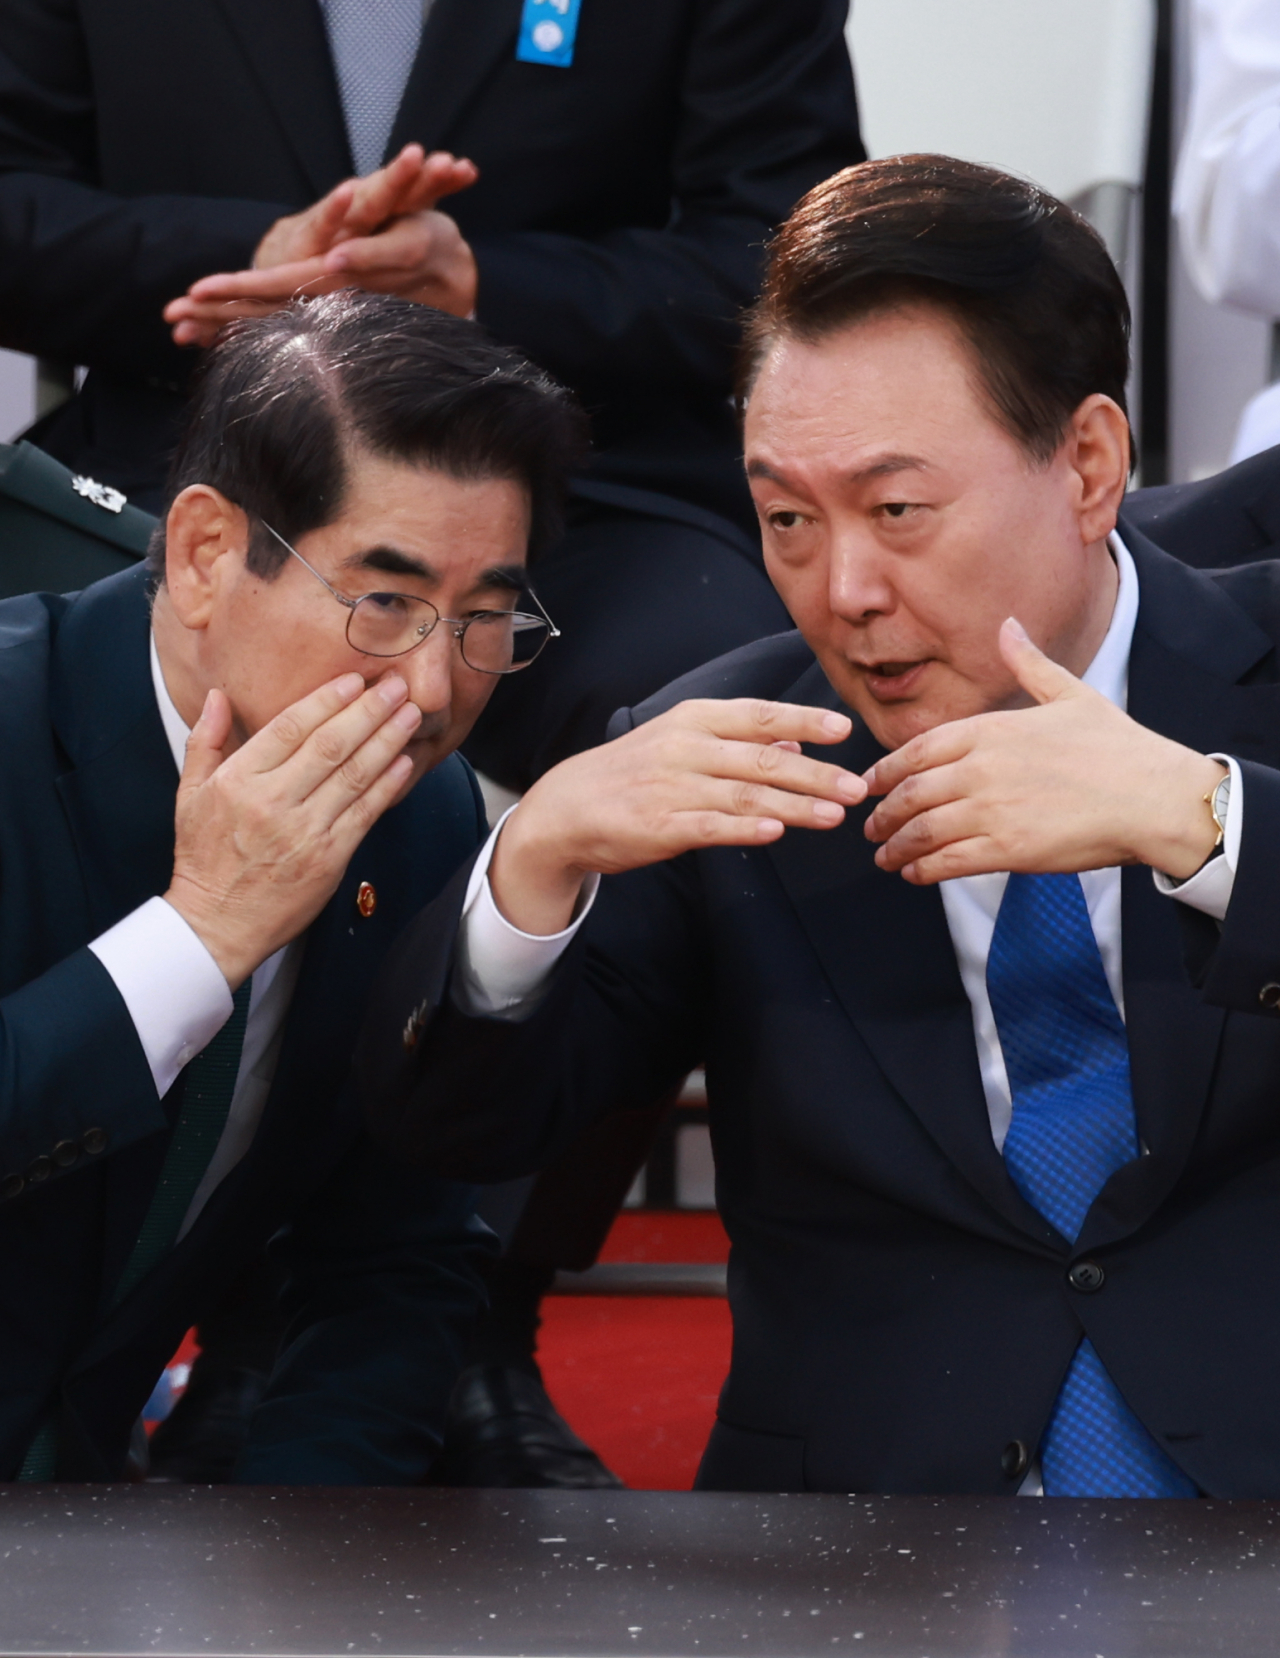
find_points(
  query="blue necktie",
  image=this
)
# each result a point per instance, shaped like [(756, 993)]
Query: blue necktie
[(1073, 1126)]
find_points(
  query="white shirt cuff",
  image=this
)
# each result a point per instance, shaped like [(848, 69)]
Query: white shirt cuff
[(174, 990), (1210, 888), (502, 971)]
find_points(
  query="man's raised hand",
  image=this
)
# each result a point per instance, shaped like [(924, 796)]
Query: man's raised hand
[(1070, 784), (707, 773), (263, 837), (391, 237)]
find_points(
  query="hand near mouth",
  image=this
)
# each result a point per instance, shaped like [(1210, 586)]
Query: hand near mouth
[(1070, 784)]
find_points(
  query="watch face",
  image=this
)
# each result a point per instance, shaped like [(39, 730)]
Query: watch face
[(1221, 800)]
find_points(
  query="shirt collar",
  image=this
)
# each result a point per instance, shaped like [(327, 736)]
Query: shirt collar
[(1108, 673), (176, 729)]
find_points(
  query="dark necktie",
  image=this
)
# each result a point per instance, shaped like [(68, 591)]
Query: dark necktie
[(208, 1085), (1072, 1127)]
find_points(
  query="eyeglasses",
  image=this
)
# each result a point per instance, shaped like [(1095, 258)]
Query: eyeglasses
[(393, 624)]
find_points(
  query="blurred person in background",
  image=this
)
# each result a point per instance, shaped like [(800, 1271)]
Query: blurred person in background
[(1226, 197)]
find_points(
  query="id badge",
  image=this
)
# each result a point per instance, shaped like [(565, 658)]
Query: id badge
[(548, 29)]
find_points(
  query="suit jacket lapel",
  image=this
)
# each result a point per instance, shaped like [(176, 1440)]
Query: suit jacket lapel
[(461, 44), (886, 948), (1191, 646), (118, 794), (288, 52), (119, 788)]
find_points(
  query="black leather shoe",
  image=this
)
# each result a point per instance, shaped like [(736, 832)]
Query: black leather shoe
[(198, 1443), (503, 1432)]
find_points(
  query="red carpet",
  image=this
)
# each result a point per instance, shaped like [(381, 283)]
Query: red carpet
[(638, 1376)]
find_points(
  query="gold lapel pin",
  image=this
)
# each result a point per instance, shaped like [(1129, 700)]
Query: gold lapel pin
[(366, 899)]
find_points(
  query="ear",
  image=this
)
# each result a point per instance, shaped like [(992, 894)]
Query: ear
[(1098, 447), (205, 541)]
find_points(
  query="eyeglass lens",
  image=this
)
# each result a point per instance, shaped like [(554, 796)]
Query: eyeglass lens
[(493, 642)]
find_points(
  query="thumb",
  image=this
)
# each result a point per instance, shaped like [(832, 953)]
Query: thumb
[(205, 744), (1040, 677)]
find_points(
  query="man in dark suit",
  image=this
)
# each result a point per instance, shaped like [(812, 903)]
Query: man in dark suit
[(186, 958), (1231, 518), (625, 191), (996, 1151)]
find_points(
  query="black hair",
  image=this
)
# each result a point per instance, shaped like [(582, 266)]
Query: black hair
[(282, 402), (1027, 280)]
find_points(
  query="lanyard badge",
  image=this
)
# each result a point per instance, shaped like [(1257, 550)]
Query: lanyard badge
[(548, 29)]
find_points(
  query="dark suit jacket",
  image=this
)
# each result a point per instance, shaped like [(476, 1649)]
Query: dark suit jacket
[(383, 1261), (618, 222), (901, 1314), (1231, 518)]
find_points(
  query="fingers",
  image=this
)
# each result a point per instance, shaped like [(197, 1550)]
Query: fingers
[(284, 736), (727, 797), (942, 746), (779, 768), (384, 192), (1037, 674), (355, 822), (402, 246), (361, 769), (922, 791), (410, 183), (330, 213), (751, 719), (327, 754), (207, 740), (931, 831), (274, 282), (975, 856)]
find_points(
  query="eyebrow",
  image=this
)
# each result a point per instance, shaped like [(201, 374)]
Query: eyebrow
[(883, 468), (507, 578)]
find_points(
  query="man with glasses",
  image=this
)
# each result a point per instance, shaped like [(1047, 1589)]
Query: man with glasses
[(232, 780)]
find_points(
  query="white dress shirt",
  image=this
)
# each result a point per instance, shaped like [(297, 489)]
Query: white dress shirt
[(502, 970), (179, 1001)]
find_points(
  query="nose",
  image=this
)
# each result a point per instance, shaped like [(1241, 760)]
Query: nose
[(429, 671), (858, 585)]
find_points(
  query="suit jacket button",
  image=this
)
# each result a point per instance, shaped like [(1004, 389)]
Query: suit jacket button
[(94, 1140), (366, 899), (1269, 996), (1015, 1459), (65, 1153), (40, 1168), (11, 1186), (1086, 1276)]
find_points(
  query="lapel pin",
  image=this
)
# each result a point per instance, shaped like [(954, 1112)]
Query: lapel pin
[(366, 899), (548, 29)]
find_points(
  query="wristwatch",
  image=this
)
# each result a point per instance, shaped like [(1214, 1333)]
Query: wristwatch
[(1218, 800)]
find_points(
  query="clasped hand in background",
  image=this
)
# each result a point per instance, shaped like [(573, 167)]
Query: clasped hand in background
[(383, 233)]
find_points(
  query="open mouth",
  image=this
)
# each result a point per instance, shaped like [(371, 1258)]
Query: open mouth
[(891, 680)]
